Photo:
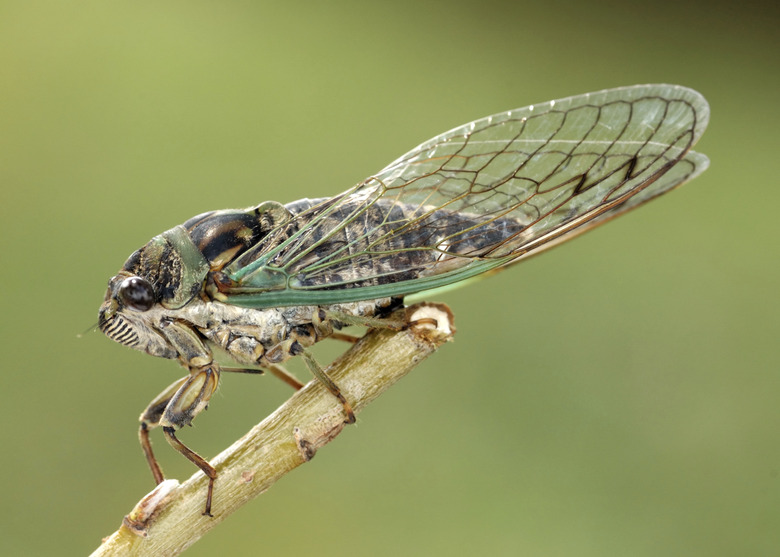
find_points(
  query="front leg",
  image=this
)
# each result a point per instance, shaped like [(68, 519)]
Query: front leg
[(150, 418), (174, 408)]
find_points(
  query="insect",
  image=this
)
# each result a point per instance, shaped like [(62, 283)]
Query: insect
[(265, 283)]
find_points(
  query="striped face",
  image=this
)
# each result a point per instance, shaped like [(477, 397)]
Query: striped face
[(124, 316)]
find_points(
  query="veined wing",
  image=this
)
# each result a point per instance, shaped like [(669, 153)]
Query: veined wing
[(686, 169), (478, 197)]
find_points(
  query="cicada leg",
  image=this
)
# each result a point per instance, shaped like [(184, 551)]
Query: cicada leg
[(370, 322), (323, 378), (352, 339), (322, 321), (281, 373), (197, 460), (292, 347), (276, 370), (323, 324), (150, 418), (174, 408), (393, 323)]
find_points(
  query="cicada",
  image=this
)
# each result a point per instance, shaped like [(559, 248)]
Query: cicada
[(264, 284)]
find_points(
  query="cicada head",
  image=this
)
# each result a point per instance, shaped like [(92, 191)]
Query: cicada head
[(164, 275), (125, 316)]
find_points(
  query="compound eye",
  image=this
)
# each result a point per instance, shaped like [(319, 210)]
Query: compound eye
[(136, 293)]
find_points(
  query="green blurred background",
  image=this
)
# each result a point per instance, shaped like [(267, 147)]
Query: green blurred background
[(617, 396)]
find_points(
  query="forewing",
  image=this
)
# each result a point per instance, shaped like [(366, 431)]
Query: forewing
[(479, 197), (686, 169)]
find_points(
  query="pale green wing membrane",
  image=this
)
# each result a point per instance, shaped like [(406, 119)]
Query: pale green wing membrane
[(477, 198)]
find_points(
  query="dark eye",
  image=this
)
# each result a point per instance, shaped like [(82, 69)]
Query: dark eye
[(136, 293)]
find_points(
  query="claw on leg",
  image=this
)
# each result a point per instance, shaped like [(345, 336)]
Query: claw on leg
[(197, 460)]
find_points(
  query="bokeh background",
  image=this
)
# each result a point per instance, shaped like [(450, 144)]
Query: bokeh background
[(617, 396)]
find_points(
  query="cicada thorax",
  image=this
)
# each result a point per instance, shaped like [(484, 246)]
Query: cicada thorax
[(221, 236)]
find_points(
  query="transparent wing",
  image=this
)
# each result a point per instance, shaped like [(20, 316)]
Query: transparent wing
[(479, 197), (687, 168)]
